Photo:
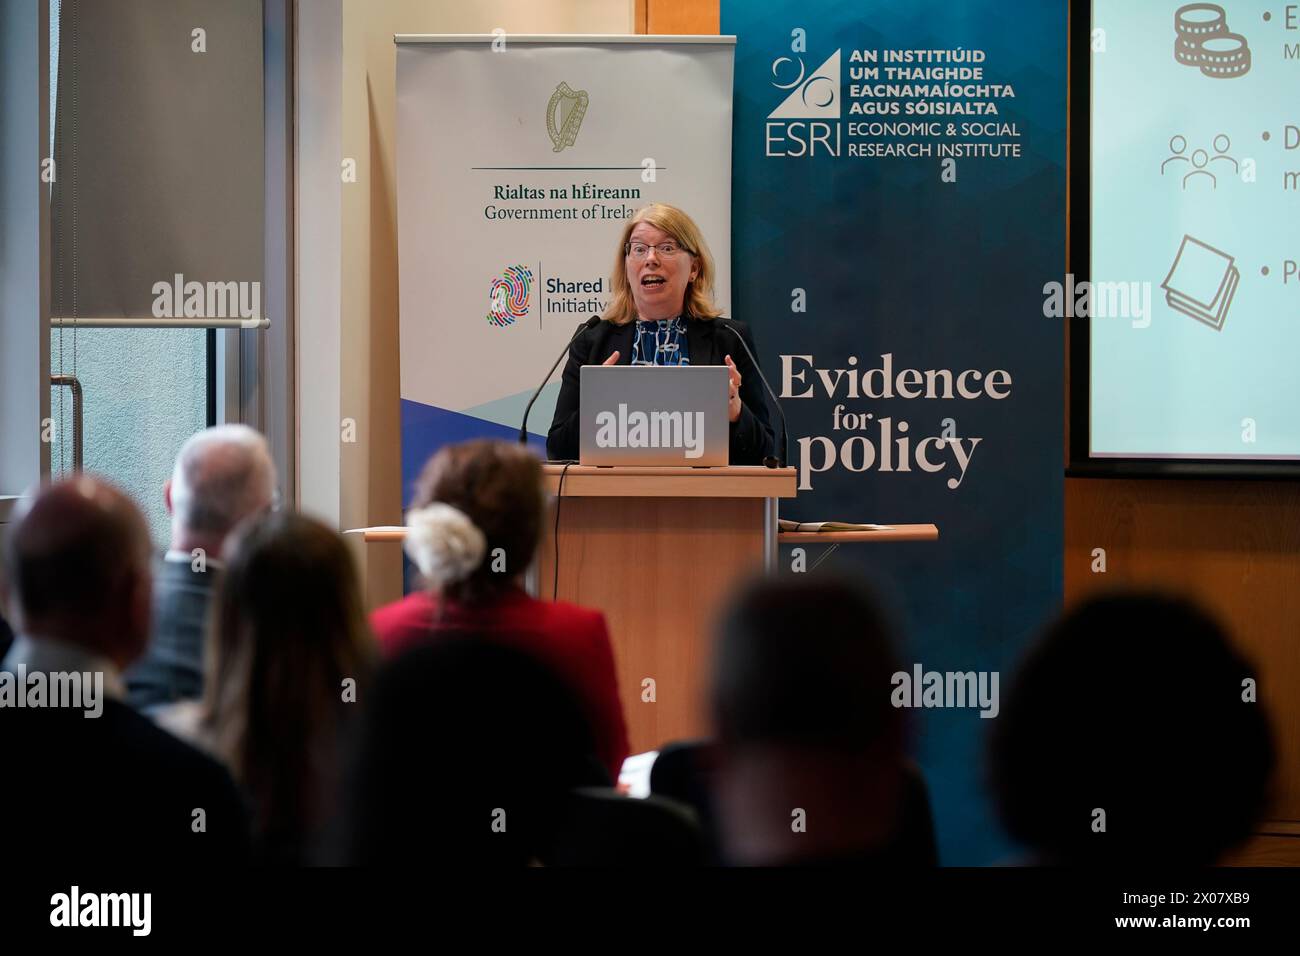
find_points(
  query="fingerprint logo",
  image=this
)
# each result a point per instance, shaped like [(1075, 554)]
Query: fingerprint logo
[(509, 296)]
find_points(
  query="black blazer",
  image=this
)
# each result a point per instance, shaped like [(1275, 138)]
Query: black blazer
[(113, 791), (707, 344)]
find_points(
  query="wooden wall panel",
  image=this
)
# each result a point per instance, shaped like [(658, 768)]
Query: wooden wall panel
[(1231, 545), (681, 16), (1268, 849)]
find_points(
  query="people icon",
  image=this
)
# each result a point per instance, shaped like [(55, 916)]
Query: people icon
[(1200, 159), (1177, 146), (1221, 146)]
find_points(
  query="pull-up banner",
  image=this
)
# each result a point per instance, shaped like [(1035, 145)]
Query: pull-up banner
[(519, 161), (899, 205)]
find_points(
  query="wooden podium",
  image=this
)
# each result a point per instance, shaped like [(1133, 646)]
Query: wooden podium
[(658, 550)]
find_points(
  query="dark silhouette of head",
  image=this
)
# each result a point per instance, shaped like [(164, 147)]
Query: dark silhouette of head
[(77, 569), (1129, 714), (807, 661), (467, 750), (801, 707)]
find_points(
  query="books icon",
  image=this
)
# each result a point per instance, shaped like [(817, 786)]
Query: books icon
[(1201, 282)]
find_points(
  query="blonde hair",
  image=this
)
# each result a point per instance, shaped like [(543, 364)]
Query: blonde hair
[(682, 229)]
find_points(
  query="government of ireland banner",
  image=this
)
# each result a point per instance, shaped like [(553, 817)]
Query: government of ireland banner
[(519, 159)]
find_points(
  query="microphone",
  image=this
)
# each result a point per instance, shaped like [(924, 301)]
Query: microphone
[(523, 426), (785, 448)]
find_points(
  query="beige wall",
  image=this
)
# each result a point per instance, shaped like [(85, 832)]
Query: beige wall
[(370, 468)]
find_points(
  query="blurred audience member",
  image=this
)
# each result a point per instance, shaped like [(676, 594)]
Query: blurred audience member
[(6, 637), (92, 781), (808, 766), (469, 750), (1127, 738), (222, 475), (289, 659), (474, 525), (683, 771)]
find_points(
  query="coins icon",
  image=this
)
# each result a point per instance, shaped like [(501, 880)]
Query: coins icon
[(1204, 41), (1225, 56)]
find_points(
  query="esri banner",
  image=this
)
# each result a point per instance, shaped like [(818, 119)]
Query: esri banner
[(519, 160), (899, 205)]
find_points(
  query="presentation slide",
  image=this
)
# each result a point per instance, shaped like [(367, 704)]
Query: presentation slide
[(1194, 296)]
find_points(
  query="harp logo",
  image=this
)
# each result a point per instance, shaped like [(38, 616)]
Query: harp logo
[(564, 115), (510, 295)]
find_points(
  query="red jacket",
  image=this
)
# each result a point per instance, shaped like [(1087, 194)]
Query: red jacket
[(571, 640)]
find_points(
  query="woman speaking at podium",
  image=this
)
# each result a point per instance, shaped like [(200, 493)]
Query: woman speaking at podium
[(662, 313)]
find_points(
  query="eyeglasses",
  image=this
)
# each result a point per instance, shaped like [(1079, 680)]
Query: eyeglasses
[(639, 250)]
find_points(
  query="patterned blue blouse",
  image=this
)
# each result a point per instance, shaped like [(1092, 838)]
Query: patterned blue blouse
[(660, 342)]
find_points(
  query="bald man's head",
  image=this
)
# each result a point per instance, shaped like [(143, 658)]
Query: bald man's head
[(222, 476), (77, 568)]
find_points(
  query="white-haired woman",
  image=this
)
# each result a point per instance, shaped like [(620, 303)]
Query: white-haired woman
[(474, 525)]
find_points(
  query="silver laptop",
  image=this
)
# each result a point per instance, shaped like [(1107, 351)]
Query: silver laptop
[(653, 415)]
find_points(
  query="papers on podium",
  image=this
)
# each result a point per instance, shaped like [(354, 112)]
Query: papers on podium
[(1201, 282), (785, 524)]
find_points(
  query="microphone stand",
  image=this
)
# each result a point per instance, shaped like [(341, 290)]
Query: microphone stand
[(523, 426), (785, 448)]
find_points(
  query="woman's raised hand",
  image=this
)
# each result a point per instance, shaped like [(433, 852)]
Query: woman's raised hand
[(733, 393)]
